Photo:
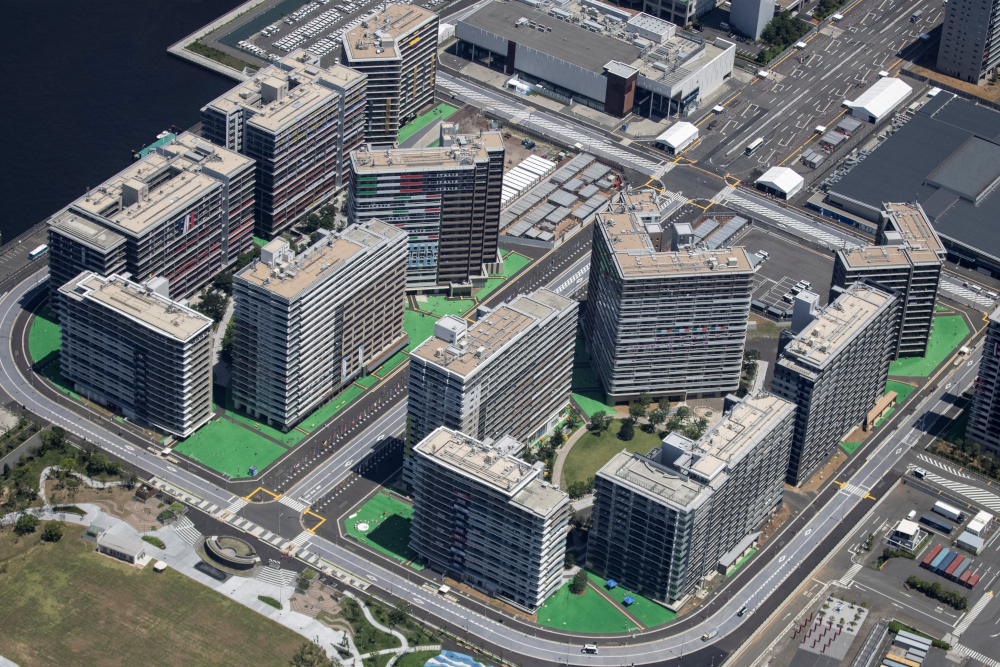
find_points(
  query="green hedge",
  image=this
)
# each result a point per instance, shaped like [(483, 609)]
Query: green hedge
[(155, 541), (271, 601)]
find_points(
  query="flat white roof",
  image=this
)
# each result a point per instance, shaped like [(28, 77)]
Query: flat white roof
[(783, 179), (884, 95), (678, 134), (907, 527)]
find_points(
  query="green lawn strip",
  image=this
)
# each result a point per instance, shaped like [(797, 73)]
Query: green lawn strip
[(591, 402), (741, 562), (323, 414), (259, 241), (592, 451), (442, 305), (489, 287), (645, 610), (850, 447), (902, 391), (416, 659), (292, 438), (44, 338), (947, 334), (941, 309), (229, 448), (390, 365), (63, 601), (388, 529), (419, 327), (589, 613), (52, 374), (368, 381), (441, 111), (512, 263)]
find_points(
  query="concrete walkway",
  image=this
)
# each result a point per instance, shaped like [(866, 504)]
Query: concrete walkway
[(557, 467), (404, 646), (90, 482)]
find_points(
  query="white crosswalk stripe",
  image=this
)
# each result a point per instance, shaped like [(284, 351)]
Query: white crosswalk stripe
[(291, 502), (301, 538), (849, 575), (186, 531), (854, 490), (722, 194), (237, 505), (973, 613), (972, 493), (975, 655), (944, 466), (967, 294), (788, 221), (276, 577)]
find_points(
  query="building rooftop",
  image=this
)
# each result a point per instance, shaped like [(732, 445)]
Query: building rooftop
[(491, 333), (652, 480), (465, 152), (211, 157), (85, 231), (290, 278), (883, 256), (836, 325), (379, 36), (139, 304), (911, 223)]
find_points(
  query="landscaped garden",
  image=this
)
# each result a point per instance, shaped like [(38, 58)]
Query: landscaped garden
[(601, 609)]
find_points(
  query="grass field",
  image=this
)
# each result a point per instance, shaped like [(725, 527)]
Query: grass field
[(388, 526), (390, 364), (419, 326), (229, 448), (416, 659), (591, 402), (582, 613), (941, 309), (592, 451), (947, 334), (441, 111), (645, 610), (63, 604), (44, 338), (259, 241)]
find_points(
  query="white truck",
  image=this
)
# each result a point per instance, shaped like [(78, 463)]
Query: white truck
[(946, 510)]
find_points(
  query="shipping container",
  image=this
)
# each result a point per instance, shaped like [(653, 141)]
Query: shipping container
[(946, 562), (973, 580), (950, 570), (940, 557), (931, 556), (964, 579), (956, 575), (937, 524)]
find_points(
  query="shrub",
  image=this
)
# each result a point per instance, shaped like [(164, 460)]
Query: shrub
[(578, 586), (68, 509), (271, 601), (53, 531), (155, 541), (627, 431), (26, 524), (165, 515)]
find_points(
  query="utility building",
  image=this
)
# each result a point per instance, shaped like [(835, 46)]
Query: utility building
[(183, 212), (668, 321), (908, 258), (664, 521), (509, 374), (129, 348), (485, 517), (335, 308), (984, 421), (446, 199), (299, 122), (396, 49), (835, 370)]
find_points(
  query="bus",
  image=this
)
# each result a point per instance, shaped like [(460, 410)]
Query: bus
[(753, 146), (38, 252)]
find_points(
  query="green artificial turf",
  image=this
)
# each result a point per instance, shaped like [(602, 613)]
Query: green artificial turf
[(592, 451), (44, 338), (419, 327), (902, 390), (441, 111), (368, 381), (390, 365), (442, 305), (589, 613), (947, 334), (512, 263), (489, 287), (259, 241), (941, 309), (742, 562), (850, 447), (645, 610), (229, 448), (592, 401), (388, 526)]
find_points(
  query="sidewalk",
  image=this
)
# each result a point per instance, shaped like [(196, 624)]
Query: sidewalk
[(564, 452)]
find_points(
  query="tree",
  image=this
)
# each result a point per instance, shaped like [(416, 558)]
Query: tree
[(627, 431), (224, 282), (578, 586), (6, 470), (597, 421), (574, 416), (247, 258), (656, 417), (400, 613), (557, 438), (53, 531), (682, 412), (645, 399), (636, 411), (228, 339), (570, 560), (212, 304), (312, 655), (26, 524)]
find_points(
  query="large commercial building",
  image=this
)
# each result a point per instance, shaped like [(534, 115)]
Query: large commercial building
[(396, 48), (446, 199), (663, 318), (598, 55), (984, 420), (183, 212), (299, 122), (908, 258), (487, 518), (681, 12), (748, 17), (508, 374), (835, 370), (947, 158), (970, 40), (308, 324), (131, 349), (664, 521)]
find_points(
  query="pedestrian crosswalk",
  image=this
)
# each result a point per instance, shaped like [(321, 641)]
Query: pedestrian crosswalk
[(301, 538), (970, 618), (186, 531), (723, 194), (294, 504), (854, 490), (975, 655), (849, 575), (789, 221), (947, 468), (966, 293), (973, 493), (237, 505), (269, 575)]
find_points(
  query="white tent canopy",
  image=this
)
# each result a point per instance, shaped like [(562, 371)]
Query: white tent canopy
[(782, 179), (879, 100), (679, 136)]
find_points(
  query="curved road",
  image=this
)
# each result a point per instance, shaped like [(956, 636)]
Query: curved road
[(764, 577)]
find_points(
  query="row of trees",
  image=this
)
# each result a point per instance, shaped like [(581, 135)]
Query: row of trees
[(783, 31), (935, 591), (683, 420)]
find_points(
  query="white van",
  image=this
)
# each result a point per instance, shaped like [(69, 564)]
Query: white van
[(590, 648)]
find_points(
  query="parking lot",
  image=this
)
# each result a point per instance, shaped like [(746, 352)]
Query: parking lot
[(789, 264)]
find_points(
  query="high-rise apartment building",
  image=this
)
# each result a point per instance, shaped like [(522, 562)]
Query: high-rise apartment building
[(487, 518), (671, 322), (665, 520), (396, 48), (835, 369), (308, 324), (984, 419), (748, 17), (508, 374), (446, 199), (970, 39), (185, 213), (299, 122), (909, 258), (131, 349)]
